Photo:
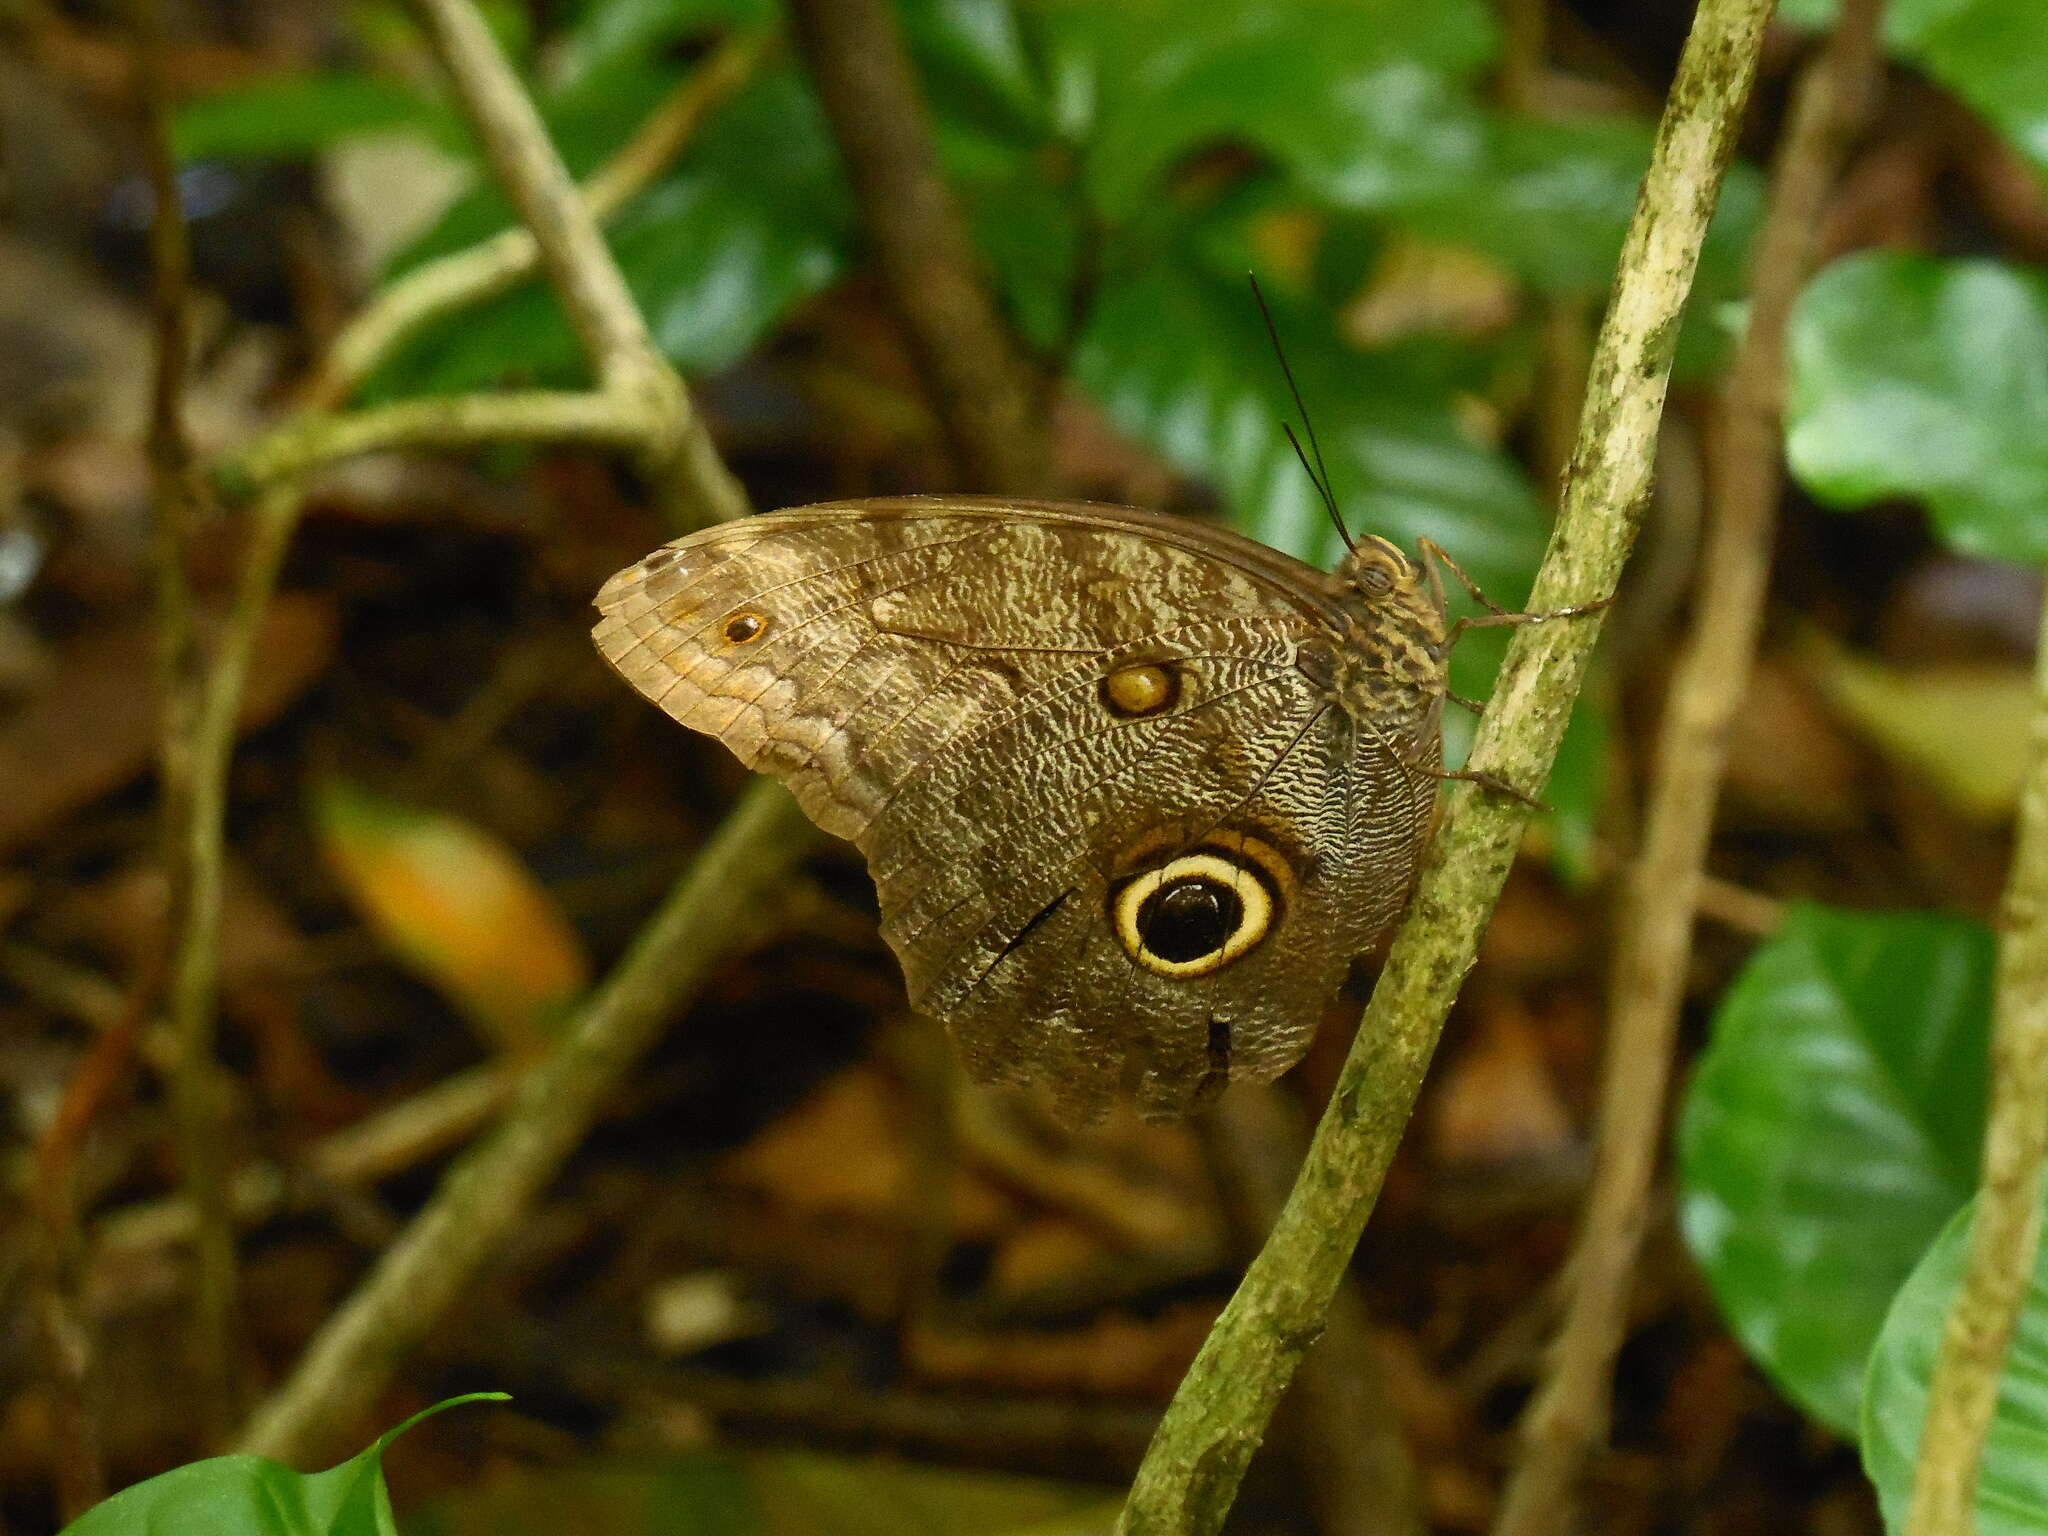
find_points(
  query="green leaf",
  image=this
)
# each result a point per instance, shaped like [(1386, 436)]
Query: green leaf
[(1142, 82), (1829, 1131), (608, 33), (2012, 1497), (1992, 53), (754, 220), (1908, 376), (1550, 201), (1180, 361), (976, 66), (254, 1496), (300, 114)]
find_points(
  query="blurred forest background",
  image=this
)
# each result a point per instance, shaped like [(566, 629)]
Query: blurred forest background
[(796, 1279)]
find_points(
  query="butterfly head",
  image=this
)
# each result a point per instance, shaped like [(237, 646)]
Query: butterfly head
[(1375, 571)]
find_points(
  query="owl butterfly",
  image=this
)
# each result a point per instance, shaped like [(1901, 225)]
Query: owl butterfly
[(1134, 789)]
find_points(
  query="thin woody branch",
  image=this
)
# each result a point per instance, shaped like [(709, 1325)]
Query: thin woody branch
[(712, 911), (642, 405), (1217, 1418), (183, 755), (980, 383), (601, 310), (462, 278), (1567, 1418)]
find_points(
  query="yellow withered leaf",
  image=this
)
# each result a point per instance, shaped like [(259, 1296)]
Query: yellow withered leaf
[(459, 909)]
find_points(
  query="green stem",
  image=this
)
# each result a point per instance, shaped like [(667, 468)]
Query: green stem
[(1217, 1418)]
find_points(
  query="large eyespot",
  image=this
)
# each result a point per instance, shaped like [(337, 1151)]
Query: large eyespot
[(1194, 914), (745, 627), (1146, 688)]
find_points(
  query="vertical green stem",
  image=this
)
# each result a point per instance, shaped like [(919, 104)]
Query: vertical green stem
[(2006, 1228), (1216, 1420)]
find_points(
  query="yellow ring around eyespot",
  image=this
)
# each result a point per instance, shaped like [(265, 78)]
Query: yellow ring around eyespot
[(1253, 921)]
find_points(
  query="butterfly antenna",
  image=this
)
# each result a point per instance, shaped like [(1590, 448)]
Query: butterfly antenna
[(1318, 473)]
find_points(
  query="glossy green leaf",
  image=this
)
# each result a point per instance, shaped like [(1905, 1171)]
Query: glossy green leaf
[(1830, 1129), (294, 115), (1908, 376), (254, 1496), (1179, 360), (975, 62), (1992, 53), (754, 220), (766, 1494), (607, 33), (1142, 82), (1550, 201), (2012, 1496)]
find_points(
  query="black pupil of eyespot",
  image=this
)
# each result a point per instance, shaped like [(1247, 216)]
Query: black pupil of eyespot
[(1187, 919)]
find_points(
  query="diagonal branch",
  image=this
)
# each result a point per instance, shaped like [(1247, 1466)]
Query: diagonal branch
[(639, 391), (1566, 1419), (679, 454), (979, 381), (718, 905), (490, 267), (1218, 1416)]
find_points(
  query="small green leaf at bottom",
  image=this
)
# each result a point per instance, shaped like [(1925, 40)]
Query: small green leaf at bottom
[(2012, 1492), (255, 1496)]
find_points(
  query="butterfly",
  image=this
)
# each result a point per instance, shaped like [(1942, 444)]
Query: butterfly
[(1134, 789)]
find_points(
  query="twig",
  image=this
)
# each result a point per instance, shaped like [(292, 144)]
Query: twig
[(64, 1332), (978, 378), (184, 752), (1349, 1443), (2006, 1228), (358, 1155), (601, 310), (639, 385), (1216, 1419), (197, 852), (454, 421), (1567, 1418), (678, 452), (489, 268), (1069, 1437), (710, 913), (1739, 907)]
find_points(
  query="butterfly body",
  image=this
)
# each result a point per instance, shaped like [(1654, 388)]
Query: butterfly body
[(1134, 790)]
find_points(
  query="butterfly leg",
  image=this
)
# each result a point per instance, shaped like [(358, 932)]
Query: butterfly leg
[(1497, 616), (1490, 781), (1462, 702), (1493, 782)]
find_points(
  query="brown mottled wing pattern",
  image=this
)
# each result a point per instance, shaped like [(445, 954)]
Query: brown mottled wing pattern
[(927, 677)]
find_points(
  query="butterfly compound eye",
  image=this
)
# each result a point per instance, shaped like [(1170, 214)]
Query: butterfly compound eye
[(1193, 915)]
